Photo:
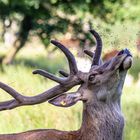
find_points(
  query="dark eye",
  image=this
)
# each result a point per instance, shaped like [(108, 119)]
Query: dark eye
[(91, 77)]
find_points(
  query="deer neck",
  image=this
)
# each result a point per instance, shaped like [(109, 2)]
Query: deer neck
[(102, 122)]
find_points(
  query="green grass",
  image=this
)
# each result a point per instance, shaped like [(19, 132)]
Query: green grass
[(131, 109)]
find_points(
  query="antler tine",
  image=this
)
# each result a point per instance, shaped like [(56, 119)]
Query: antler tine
[(69, 55), (89, 53), (49, 75), (65, 84), (7, 105), (20, 100), (11, 91), (72, 65), (63, 73), (98, 51)]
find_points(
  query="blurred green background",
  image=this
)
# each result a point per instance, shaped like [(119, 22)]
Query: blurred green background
[(26, 28)]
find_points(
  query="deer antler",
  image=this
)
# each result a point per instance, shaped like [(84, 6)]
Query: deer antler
[(69, 55), (98, 51), (63, 73), (71, 61), (91, 54), (96, 56), (65, 84)]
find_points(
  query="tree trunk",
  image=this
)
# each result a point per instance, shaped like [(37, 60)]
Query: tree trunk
[(26, 26), (8, 59)]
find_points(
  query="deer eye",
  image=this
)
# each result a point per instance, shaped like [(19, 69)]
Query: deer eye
[(91, 77)]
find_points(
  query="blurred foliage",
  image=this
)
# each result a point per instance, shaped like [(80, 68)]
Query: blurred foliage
[(135, 70), (52, 17)]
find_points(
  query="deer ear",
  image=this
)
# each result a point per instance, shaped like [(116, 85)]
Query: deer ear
[(66, 100)]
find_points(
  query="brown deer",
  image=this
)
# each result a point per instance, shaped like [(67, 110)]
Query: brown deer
[(100, 91)]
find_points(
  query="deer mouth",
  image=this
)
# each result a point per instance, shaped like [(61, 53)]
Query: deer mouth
[(127, 61), (121, 62)]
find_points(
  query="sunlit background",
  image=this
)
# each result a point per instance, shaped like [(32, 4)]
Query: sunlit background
[(26, 27)]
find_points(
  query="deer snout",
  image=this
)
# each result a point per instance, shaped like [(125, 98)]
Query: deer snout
[(127, 63)]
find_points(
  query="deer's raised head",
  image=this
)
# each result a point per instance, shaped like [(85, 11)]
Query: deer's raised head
[(103, 82)]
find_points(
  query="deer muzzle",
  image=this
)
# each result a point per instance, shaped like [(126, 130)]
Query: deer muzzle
[(122, 61), (127, 62)]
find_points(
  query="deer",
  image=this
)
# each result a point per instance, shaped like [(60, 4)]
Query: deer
[(100, 91)]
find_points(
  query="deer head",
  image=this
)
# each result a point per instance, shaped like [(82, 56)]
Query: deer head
[(103, 82)]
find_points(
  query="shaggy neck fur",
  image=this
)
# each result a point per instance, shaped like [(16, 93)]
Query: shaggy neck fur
[(102, 122)]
